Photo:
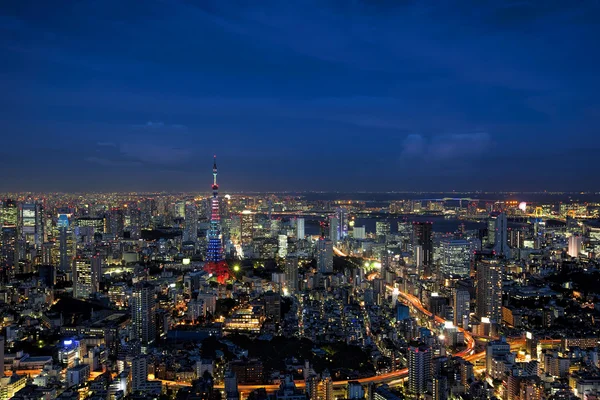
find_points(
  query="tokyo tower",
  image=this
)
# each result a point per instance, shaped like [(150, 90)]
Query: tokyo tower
[(215, 264)]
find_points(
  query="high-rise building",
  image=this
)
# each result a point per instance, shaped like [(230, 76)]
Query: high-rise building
[(31, 225), (455, 256), (358, 232), (291, 273), (179, 209), (382, 228), (324, 255), (67, 243), (86, 276), (246, 226), (139, 373), (462, 307), (501, 235), (495, 348), (419, 369), (355, 391), (574, 245), (8, 213), (190, 232), (334, 224), (422, 236), (342, 217), (440, 388), (489, 289), (273, 306), (231, 386), (143, 310), (282, 245), (300, 228), (115, 222)]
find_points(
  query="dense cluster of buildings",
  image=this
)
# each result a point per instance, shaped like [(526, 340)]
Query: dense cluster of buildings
[(288, 297)]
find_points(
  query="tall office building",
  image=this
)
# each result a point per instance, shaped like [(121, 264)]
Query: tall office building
[(31, 225), (342, 217), (574, 245), (422, 236), (273, 306), (495, 348), (246, 226), (440, 388), (179, 209), (115, 222), (455, 256), (382, 228), (190, 231), (8, 213), (358, 232), (231, 386), (462, 307), (139, 373), (501, 235), (324, 255), (300, 228), (291, 273), (86, 276), (143, 310), (282, 242), (334, 225), (489, 289), (326, 386), (419, 369), (67, 242)]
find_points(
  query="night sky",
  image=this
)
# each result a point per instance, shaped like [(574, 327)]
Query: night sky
[(332, 95)]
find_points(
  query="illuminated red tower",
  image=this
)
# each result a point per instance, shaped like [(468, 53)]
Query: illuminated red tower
[(215, 263)]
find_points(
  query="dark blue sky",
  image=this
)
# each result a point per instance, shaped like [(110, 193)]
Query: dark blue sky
[(299, 95)]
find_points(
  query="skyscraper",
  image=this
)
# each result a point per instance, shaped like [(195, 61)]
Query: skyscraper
[(419, 368), (66, 242), (422, 232), (489, 289), (139, 373), (143, 310), (190, 232), (231, 386), (8, 213), (334, 224), (215, 263), (501, 236), (300, 228), (382, 228), (30, 223), (342, 217), (440, 388), (86, 276), (246, 226), (273, 306), (324, 255), (462, 307), (291, 273), (282, 245), (574, 245)]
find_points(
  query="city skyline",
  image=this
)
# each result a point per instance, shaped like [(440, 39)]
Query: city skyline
[(299, 96)]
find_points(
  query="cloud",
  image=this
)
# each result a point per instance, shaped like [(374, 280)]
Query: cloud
[(152, 143), (446, 147), (162, 152), (105, 162), (107, 144)]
